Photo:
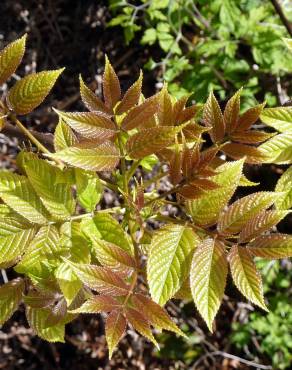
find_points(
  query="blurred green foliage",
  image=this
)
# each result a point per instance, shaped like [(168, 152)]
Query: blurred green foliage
[(270, 335), (202, 45)]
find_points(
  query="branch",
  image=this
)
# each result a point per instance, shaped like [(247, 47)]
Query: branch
[(282, 16)]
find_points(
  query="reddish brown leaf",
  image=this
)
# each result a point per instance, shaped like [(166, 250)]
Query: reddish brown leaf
[(131, 97), (260, 223), (191, 192), (140, 114), (156, 315), (192, 132), (90, 100), (188, 113), (231, 112), (251, 137), (99, 303), (272, 246), (57, 313), (115, 327), (175, 166), (177, 109), (190, 160), (212, 117), (165, 117), (238, 151), (249, 117), (140, 323), (205, 184), (111, 86)]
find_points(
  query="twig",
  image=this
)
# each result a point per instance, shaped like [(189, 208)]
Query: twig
[(4, 276), (282, 16)]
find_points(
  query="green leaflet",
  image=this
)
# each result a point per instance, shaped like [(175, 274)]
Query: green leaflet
[(208, 278), (17, 193), (10, 297), (57, 197), (37, 319), (278, 149), (284, 185), (89, 189), (169, 260), (68, 282), (15, 235), (42, 253), (64, 137), (105, 227), (279, 118), (206, 209)]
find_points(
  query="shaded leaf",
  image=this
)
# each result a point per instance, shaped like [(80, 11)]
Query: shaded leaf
[(10, 297)]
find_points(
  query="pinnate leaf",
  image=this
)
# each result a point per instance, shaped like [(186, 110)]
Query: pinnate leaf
[(279, 118), (63, 136), (271, 246), (99, 303), (115, 326), (240, 212), (101, 279), (57, 197), (111, 85), (29, 92), (91, 125), (278, 149), (10, 297), (89, 188), (260, 223), (245, 275), (212, 117), (206, 209), (284, 185), (208, 278), (131, 97), (231, 112), (140, 115), (140, 324), (151, 140), (17, 192), (90, 100), (169, 260), (156, 315), (10, 58), (96, 157), (15, 235)]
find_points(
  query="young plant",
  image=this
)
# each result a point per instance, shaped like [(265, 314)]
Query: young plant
[(74, 256)]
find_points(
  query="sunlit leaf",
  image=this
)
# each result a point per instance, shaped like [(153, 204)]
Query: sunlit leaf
[(89, 189), (284, 185), (98, 157), (99, 303), (208, 278), (131, 97), (245, 276), (231, 112), (251, 153), (63, 136), (115, 326), (10, 58), (90, 100), (169, 260), (279, 118), (278, 149), (213, 118), (29, 92), (111, 85), (272, 246), (249, 117)]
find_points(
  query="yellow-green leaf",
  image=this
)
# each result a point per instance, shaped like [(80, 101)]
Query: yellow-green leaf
[(10, 297), (89, 189), (57, 197), (29, 92), (206, 209), (278, 149), (63, 136), (169, 260), (93, 157), (17, 193), (10, 58), (245, 276), (279, 118), (284, 185), (271, 246), (208, 278)]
